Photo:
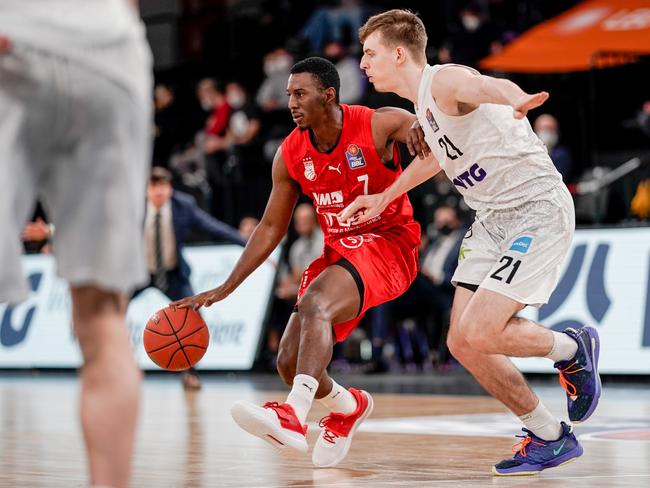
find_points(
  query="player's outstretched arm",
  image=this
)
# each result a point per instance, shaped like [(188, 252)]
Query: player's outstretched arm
[(262, 242), (462, 85), (367, 207)]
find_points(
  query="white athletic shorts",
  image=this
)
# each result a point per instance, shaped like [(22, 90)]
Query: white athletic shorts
[(519, 252), (80, 142)]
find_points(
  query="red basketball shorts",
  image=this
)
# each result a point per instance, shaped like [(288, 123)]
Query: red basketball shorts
[(386, 262)]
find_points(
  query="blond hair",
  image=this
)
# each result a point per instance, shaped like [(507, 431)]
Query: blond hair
[(398, 27)]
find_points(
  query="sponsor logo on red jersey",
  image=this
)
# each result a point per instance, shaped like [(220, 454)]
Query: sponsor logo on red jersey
[(355, 158), (327, 199)]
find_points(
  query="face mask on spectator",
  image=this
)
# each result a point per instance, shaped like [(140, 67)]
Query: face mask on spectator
[(278, 65), (236, 99), (445, 230), (206, 105), (548, 137), (471, 22)]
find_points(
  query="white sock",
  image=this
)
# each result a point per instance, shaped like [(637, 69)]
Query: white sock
[(564, 347), (339, 400), (542, 423), (302, 394)]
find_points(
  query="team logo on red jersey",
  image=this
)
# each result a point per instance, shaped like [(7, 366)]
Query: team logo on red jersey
[(432, 121), (355, 158), (310, 173)]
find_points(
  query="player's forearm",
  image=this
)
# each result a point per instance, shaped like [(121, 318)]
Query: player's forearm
[(485, 89), (419, 171), (261, 244)]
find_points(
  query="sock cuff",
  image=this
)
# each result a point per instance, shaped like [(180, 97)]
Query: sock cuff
[(305, 379), (336, 388)]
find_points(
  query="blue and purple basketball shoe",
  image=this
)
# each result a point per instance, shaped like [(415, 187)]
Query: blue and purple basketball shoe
[(533, 455), (579, 375)]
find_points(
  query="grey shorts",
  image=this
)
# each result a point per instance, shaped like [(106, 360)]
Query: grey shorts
[(79, 142), (519, 252)]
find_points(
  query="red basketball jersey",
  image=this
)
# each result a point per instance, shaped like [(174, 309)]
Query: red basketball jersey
[(334, 179)]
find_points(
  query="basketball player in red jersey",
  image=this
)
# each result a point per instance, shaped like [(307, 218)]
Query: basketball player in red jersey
[(336, 153)]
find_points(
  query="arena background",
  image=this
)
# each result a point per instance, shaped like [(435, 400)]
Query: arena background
[(593, 57)]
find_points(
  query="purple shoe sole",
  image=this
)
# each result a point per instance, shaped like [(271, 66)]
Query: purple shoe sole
[(594, 339)]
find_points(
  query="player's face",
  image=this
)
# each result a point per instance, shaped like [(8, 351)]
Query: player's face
[(379, 62), (307, 99)]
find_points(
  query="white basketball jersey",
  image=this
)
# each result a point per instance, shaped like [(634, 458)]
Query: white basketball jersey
[(494, 160)]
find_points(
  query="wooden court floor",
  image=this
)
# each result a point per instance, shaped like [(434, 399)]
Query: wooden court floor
[(189, 440)]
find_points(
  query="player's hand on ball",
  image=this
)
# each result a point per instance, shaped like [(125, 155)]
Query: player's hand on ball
[(529, 102), (363, 209), (415, 141), (204, 299)]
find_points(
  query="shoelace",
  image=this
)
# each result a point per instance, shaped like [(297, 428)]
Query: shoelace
[(278, 408), (521, 446), (569, 387), (330, 424)]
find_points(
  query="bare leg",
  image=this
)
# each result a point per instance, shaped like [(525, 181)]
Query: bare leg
[(307, 342), (488, 323), (288, 357), (494, 372), (110, 383)]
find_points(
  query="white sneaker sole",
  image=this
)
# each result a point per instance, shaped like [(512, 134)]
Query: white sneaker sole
[(348, 442), (254, 420)]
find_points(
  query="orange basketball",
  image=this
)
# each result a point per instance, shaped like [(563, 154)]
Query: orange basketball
[(176, 339)]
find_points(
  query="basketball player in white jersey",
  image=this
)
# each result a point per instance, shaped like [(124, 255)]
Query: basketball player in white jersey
[(75, 112), (476, 129)]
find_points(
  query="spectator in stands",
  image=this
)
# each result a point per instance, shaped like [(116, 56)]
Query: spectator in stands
[(353, 81), (168, 130), (272, 99), (213, 101), (333, 23), (169, 218), (272, 94), (244, 167), (471, 39), (546, 128), (244, 124), (441, 256)]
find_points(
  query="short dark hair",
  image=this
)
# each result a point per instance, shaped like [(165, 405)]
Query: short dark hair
[(323, 70), (160, 175)]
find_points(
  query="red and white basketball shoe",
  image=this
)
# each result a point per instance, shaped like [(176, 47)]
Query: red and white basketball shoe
[(335, 439), (276, 423)]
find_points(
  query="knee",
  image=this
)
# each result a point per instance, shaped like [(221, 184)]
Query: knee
[(472, 336), (458, 346), (312, 310), (463, 344), (286, 365)]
